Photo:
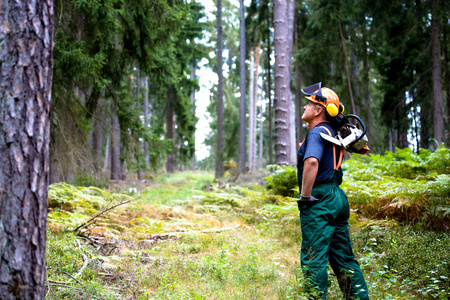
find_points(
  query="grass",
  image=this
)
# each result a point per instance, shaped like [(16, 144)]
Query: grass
[(186, 238)]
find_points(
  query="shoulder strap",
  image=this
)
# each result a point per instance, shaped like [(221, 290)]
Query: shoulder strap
[(341, 152)]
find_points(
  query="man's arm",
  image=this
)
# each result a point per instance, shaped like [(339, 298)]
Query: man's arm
[(310, 168)]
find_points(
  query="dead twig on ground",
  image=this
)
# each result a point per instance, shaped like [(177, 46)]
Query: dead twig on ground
[(98, 214)]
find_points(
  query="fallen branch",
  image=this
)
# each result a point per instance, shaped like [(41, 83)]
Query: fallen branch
[(166, 235), (85, 224), (65, 273)]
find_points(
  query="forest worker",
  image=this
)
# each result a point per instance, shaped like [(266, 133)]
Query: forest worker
[(323, 205)]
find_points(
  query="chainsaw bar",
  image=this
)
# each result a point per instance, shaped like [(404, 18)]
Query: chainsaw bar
[(331, 139)]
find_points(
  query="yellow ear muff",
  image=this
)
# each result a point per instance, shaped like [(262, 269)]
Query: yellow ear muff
[(332, 110), (341, 108)]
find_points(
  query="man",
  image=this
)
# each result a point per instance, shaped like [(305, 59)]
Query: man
[(323, 205)]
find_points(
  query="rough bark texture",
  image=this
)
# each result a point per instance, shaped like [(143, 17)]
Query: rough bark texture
[(290, 12), (281, 105), (243, 102), (438, 115), (219, 152), (26, 62)]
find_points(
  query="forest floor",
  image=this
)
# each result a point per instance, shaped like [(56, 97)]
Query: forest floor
[(186, 236)]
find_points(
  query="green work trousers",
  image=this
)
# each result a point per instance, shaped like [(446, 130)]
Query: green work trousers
[(326, 239)]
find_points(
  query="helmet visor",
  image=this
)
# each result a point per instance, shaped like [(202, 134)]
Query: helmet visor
[(315, 90)]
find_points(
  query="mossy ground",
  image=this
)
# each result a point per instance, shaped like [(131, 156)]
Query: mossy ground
[(185, 236)]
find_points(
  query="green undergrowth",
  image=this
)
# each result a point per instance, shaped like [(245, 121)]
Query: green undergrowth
[(411, 188), (187, 236)]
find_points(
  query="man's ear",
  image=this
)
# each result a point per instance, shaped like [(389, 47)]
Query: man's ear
[(318, 110)]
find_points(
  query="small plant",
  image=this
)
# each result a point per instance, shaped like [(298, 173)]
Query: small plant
[(283, 181)]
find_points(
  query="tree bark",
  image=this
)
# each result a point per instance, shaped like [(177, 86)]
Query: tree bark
[(98, 134), (290, 12), (146, 121), (438, 116), (281, 105), (251, 116), (219, 154), (26, 62), (116, 168), (170, 128), (243, 102), (193, 76), (269, 96), (298, 90)]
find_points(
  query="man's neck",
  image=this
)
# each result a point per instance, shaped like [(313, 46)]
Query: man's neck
[(317, 121)]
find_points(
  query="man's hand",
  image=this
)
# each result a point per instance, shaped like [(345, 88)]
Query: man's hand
[(307, 199)]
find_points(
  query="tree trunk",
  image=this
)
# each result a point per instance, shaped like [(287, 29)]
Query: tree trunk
[(138, 96), (170, 128), (251, 116), (26, 62), (253, 110), (116, 168), (146, 121), (243, 102), (346, 68), (269, 96), (98, 134), (281, 105), (447, 76), (107, 160), (366, 88), (193, 76), (354, 78), (438, 116), (290, 12), (261, 137), (298, 90), (219, 154)]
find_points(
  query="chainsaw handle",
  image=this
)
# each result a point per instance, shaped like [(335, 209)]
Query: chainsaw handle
[(361, 123)]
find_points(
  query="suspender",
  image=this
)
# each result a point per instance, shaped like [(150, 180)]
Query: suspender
[(341, 152)]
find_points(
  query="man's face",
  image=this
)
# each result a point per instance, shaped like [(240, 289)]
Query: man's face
[(309, 112)]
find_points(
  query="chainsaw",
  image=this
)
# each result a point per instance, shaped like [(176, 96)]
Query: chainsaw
[(350, 136)]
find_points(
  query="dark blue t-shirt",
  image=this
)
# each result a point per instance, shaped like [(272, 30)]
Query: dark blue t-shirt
[(315, 146)]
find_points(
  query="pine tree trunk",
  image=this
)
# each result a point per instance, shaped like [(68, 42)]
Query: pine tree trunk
[(253, 143), (438, 116), (347, 71), (146, 121), (354, 79), (251, 116), (298, 89), (170, 128), (261, 137), (107, 160), (447, 77), (243, 102), (219, 153), (138, 96), (26, 62), (290, 12), (281, 105), (193, 76), (269, 96), (116, 168), (98, 134)]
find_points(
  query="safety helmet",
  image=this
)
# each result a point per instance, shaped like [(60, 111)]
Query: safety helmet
[(325, 97)]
